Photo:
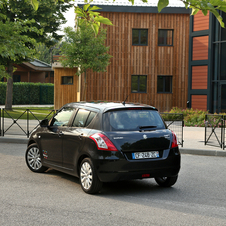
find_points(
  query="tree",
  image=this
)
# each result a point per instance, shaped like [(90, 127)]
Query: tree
[(14, 47), (85, 50), (22, 28), (43, 53)]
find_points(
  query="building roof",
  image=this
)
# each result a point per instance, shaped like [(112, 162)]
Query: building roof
[(39, 63), (152, 3), (175, 6)]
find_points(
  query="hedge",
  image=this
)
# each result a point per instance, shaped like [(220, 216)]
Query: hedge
[(29, 93)]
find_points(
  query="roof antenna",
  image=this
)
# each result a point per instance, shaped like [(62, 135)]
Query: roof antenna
[(124, 102)]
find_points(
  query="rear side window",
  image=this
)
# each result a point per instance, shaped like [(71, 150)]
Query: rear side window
[(80, 118), (132, 120), (83, 118), (90, 118)]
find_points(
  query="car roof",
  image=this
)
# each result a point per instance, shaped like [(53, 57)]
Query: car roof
[(107, 106)]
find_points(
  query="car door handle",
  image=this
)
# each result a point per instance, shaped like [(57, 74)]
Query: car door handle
[(60, 134), (80, 136)]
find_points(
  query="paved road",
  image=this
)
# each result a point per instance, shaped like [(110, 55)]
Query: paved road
[(53, 198)]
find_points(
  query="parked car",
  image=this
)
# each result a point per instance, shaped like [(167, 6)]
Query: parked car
[(105, 142)]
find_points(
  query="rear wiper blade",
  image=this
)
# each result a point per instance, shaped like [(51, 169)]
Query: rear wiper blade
[(146, 127)]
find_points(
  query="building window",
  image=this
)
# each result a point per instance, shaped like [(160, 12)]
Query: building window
[(139, 83), (164, 84), (165, 37), (67, 80), (16, 78), (140, 37)]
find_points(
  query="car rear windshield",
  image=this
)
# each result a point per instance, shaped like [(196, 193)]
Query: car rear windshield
[(132, 120)]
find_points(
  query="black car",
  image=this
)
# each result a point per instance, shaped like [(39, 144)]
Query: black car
[(105, 142)]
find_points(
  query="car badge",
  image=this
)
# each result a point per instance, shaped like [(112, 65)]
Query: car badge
[(145, 136)]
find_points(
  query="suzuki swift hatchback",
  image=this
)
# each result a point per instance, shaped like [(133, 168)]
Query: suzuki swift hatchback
[(104, 142)]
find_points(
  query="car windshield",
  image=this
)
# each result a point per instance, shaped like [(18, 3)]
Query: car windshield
[(132, 120)]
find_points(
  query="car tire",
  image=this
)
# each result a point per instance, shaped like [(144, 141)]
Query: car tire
[(33, 159), (166, 181), (89, 180)]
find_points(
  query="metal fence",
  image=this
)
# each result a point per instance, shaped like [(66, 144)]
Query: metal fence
[(175, 122), (215, 130), (28, 120), (24, 123)]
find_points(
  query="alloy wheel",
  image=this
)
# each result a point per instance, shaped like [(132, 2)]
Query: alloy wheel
[(86, 175), (34, 159)]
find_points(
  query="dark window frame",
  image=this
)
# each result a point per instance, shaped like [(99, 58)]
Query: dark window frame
[(165, 37), (66, 83), (138, 88), (164, 83), (139, 38)]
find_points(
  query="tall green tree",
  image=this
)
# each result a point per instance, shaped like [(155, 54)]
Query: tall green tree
[(22, 28), (43, 53), (85, 50)]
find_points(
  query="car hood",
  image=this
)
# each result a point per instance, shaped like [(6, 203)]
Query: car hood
[(141, 141)]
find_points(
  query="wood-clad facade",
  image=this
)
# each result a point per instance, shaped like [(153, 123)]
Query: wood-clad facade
[(207, 68), (66, 86), (158, 63)]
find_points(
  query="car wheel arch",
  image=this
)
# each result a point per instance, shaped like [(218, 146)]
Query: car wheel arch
[(31, 142)]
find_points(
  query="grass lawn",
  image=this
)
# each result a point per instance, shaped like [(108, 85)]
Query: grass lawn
[(32, 113)]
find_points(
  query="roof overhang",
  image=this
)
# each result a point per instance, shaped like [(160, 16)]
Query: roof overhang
[(36, 68), (141, 9)]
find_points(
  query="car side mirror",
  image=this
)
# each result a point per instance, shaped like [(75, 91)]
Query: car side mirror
[(44, 122)]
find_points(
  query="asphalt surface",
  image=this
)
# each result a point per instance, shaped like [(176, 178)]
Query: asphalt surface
[(53, 198)]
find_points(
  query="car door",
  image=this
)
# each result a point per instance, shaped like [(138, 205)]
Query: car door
[(52, 139), (75, 136)]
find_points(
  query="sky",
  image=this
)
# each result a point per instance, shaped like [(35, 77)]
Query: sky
[(70, 17)]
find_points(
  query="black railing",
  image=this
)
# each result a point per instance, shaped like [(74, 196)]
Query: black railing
[(175, 122), (215, 130), (22, 123), (28, 120)]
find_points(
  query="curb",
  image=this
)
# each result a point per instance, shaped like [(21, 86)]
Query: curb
[(13, 140), (203, 152)]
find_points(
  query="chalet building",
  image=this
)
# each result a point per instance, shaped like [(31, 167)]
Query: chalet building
[(150, 56), (207, 67), (33, 71), (66, 84)]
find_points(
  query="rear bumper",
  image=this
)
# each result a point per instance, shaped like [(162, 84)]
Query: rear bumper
[(110, 170)]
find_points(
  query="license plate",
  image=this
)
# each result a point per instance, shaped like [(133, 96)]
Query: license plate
[(145, 155)]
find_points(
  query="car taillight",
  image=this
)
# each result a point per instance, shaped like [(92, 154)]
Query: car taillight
[(174, 141), (103, 143)]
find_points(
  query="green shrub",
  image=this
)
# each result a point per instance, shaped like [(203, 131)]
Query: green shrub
[(191, 117), (29, 93)]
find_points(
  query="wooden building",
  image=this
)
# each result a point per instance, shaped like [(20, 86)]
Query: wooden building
[(33, 71), (150, 57), (207, 68), (66, 85)]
